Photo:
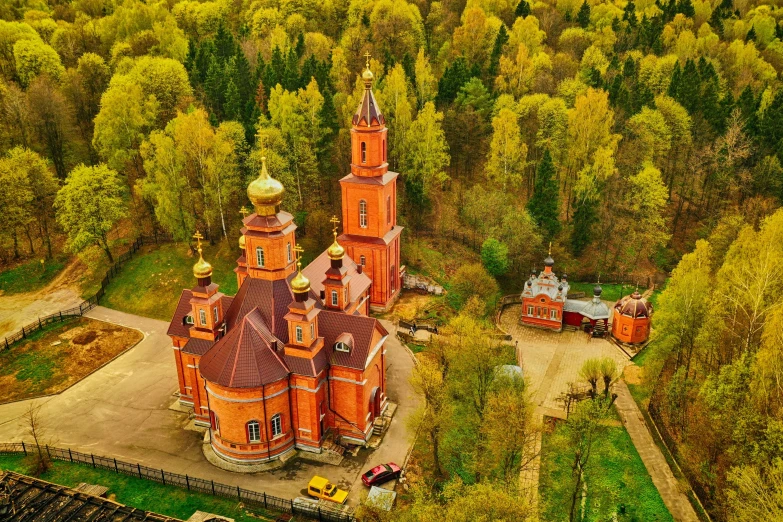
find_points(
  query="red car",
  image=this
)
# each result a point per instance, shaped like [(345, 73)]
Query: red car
[(381, 474)]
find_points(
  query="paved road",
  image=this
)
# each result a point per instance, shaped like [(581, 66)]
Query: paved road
[(122, 411), (677, 503)]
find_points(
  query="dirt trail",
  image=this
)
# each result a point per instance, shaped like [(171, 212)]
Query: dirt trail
[(19, 310)]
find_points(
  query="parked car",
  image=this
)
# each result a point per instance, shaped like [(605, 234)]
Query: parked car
[(380, 474), (320, 487)]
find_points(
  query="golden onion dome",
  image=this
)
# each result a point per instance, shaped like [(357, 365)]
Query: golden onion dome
[(202, 269), (300, 284), (336, 250), (265, 192), (367, 75), (242, 242)]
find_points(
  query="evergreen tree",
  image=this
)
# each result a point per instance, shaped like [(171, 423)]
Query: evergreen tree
[(523, 9), (497, 51), (748, 105), (582, 233), (751, 36), (674, 83), (409, 66), (688, 92), (300, 46), (453, 78), (770, 126), (686, 7), (583, 16), (290, 80), (233, 109), (629, 14), (544, 206)]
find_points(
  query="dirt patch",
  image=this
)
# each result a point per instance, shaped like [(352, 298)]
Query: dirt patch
[(85, 337), (56, 358), (632, 374)]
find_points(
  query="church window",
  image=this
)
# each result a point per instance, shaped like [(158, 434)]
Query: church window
[(393, 280), (345, 295), (188, 319), (362, 260), (215, 314), (298, 334), (384, 150), (312, 330), (253, 432), (553, 313), (334, 297), (277, 425), (388, 209), (202, 315), (363, 213), (529, 310), (340, 346), (364, 152), (260, 256), (288, 247)]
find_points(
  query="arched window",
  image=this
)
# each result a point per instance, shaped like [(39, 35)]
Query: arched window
[(393, 280), (253, 431), (288, 249), (334, 297), (277, 425), (298, 330), (362, 260), (312, 330), (364, 152), (260, 256), (215, 314), (202, 315), (384, 150), (363, 213), (388, 210)]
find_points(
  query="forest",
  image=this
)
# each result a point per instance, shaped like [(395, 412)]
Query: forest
[(638, 140)]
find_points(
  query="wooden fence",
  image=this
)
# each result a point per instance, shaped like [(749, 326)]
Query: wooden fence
[(89, 303), (210, 487)]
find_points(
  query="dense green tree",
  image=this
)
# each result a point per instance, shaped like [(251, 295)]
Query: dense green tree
[(583, 16), (544, 206), (494, 256), (89, 205)]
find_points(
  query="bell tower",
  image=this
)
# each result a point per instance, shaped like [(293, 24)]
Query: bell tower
[(369, 200), (207, 305)]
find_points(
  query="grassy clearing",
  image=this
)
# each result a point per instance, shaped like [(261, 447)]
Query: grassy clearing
[(58, 356), (150, 284), (639, 389), (139, 493), (617, 481), (31, 275)]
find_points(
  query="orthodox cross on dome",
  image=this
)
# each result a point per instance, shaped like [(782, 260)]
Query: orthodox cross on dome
[(298, 251), (334, 222), (550, 249), (198, 237), (367, 58), (244, 212)]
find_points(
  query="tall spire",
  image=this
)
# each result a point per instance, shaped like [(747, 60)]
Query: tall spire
[(368, 114)]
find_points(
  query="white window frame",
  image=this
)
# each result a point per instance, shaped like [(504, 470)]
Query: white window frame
[(553, 313), (334, 298), (363, 148), (202, 315), (253, 431), (340, 346), (215, 313), (363, 213), (189, 320), (312, 330), (530, 310), (362, 260), (299, 334), (260, 258), (277, 424)]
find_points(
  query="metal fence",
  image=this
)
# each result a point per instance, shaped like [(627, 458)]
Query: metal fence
[(253, 499), (89, 303)]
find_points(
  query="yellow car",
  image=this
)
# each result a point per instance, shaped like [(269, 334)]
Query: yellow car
[(320, 487)]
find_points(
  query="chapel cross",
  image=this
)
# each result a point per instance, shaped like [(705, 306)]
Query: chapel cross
[(198, 237), (298, 251), (367, 58), (334, 222), (244, 212)]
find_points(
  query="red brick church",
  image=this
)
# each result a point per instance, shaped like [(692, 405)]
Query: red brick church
[(294, 355)]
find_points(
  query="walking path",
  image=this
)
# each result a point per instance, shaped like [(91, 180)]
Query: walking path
[(668, 486), (122, 411)]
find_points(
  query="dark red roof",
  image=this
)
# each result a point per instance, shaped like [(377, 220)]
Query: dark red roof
[(308, 367), (177, 326), (368, 113), (370, 180), (197, 346), (245, 357), (270, 297), (332, 324), (316, 273)]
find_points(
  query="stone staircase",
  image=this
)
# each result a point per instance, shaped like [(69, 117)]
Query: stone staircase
[(331, 446)]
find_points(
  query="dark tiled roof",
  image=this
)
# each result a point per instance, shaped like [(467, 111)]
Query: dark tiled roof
[(316, 273), (177, 327), (309, 367), (245, 357), (34, 499), (280, 219), (270, 297), (197, 346), (368, 113), (634, 305), (332, 324), (370, 180)]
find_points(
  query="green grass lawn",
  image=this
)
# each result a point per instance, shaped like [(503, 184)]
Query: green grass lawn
[(138, 493), (617, 481), (150, 284), (641, 392), (31, 275)]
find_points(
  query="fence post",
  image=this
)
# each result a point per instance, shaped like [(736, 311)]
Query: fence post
[(213, 487), (138, 466), (24, 448), (24, 336), (61, 316), (319, 513), (239, 494), (70, 454), (93, 459), (39, 322), (264, 499), (47, 451), (187, 482), (6, 343), (292, 506), (116, 469), (163, 476)]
